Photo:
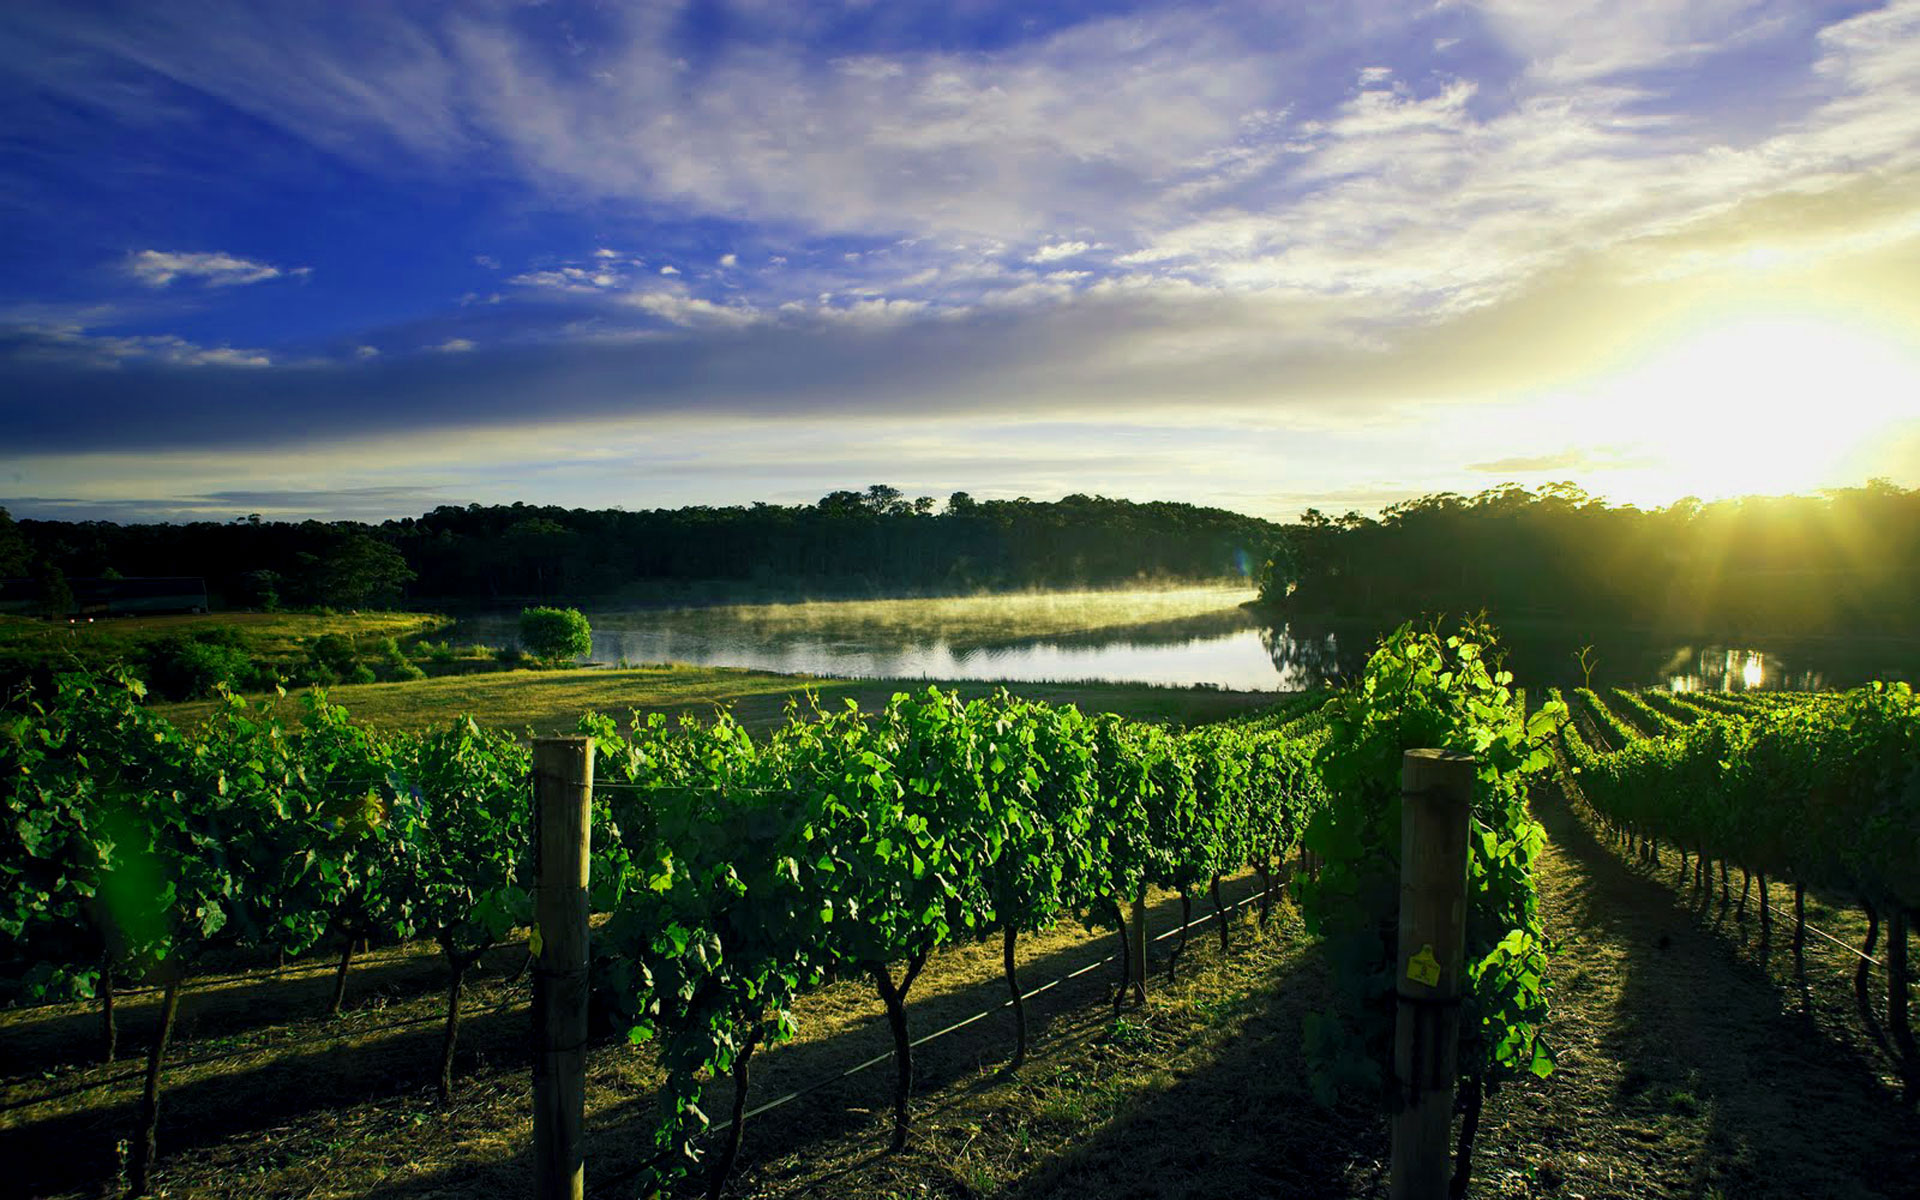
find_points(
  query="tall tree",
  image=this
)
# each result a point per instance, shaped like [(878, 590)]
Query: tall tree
[(359, 572), (15, 554)]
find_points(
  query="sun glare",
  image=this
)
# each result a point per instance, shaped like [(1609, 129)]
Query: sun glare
[(1756, 406)]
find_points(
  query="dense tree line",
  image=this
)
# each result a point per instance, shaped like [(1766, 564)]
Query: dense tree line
[(875, 539), (1844, 562)]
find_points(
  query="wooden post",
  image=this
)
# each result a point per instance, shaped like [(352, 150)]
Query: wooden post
[(1137, 952), (562, 794), (1436, 799)]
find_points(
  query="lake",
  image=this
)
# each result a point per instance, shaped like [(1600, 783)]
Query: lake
[(1183, 637)]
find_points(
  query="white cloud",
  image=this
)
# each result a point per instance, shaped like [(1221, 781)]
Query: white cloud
[(1138, 130), (1035, 293), (457, 345), (488, 261), (1000, 141), (365, 352), (1190, 153), (158, 268), (1584, 41), (221, 356), (75, 343), (870, 313), (1055, 251), (568, 279), (691, 311), (1432, 206)]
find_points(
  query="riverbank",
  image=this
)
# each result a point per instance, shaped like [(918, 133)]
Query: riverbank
[(276, 641)]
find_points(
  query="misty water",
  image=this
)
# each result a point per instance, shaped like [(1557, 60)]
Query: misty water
[(1182, 637)]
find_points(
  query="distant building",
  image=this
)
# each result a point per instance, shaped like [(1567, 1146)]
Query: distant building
[(112, 597)]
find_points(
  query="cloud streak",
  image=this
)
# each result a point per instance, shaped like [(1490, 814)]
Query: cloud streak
[(1117, 346), (73, 347), (159, 268), (1231, 146)]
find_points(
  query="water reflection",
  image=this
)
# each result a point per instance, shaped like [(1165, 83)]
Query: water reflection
[(1308, 658), (1193, 637), (1332, 654), (1184, 637), (1723, 669)]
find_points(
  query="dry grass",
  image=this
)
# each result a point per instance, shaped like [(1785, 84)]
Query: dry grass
[(552, 701)]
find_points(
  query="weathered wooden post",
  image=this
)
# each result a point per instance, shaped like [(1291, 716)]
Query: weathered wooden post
[(1137, 953), (562, 795), (1436, 789)]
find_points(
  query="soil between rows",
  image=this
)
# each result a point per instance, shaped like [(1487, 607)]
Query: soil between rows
[(1686, 1069)]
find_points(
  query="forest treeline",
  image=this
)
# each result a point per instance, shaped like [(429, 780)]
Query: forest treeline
[(1843, 562), (875, 541)]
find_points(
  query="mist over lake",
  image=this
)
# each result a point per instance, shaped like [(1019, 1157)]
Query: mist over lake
[(1184, 637)]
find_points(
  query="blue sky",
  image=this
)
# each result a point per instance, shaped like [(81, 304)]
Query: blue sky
[(359, 259)]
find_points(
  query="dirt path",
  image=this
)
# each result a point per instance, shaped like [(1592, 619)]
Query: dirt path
[(1684, 1069)]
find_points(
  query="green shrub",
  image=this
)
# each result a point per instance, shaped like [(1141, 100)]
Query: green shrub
[(556, 634), (363, 674), (431, 651), (190, 667), (509, 656), (333, 652)]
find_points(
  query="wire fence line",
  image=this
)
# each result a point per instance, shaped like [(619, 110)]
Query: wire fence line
[(830, 1080), (520, 998)]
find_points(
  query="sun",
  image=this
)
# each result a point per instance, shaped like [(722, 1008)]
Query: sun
[(1757, 405)]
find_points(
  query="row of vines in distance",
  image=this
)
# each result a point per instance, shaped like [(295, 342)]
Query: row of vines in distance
[(1818, 791)]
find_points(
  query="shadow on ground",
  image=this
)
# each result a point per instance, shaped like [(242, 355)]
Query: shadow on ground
[(1716, 1078), (367, 1090), (1242, 1123), (223, 1006)]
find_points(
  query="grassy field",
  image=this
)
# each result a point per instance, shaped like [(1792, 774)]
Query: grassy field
[(552, 701), (274, 637)]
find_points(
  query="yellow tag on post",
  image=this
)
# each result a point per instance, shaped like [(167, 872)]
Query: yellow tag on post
[(1424, 967)]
